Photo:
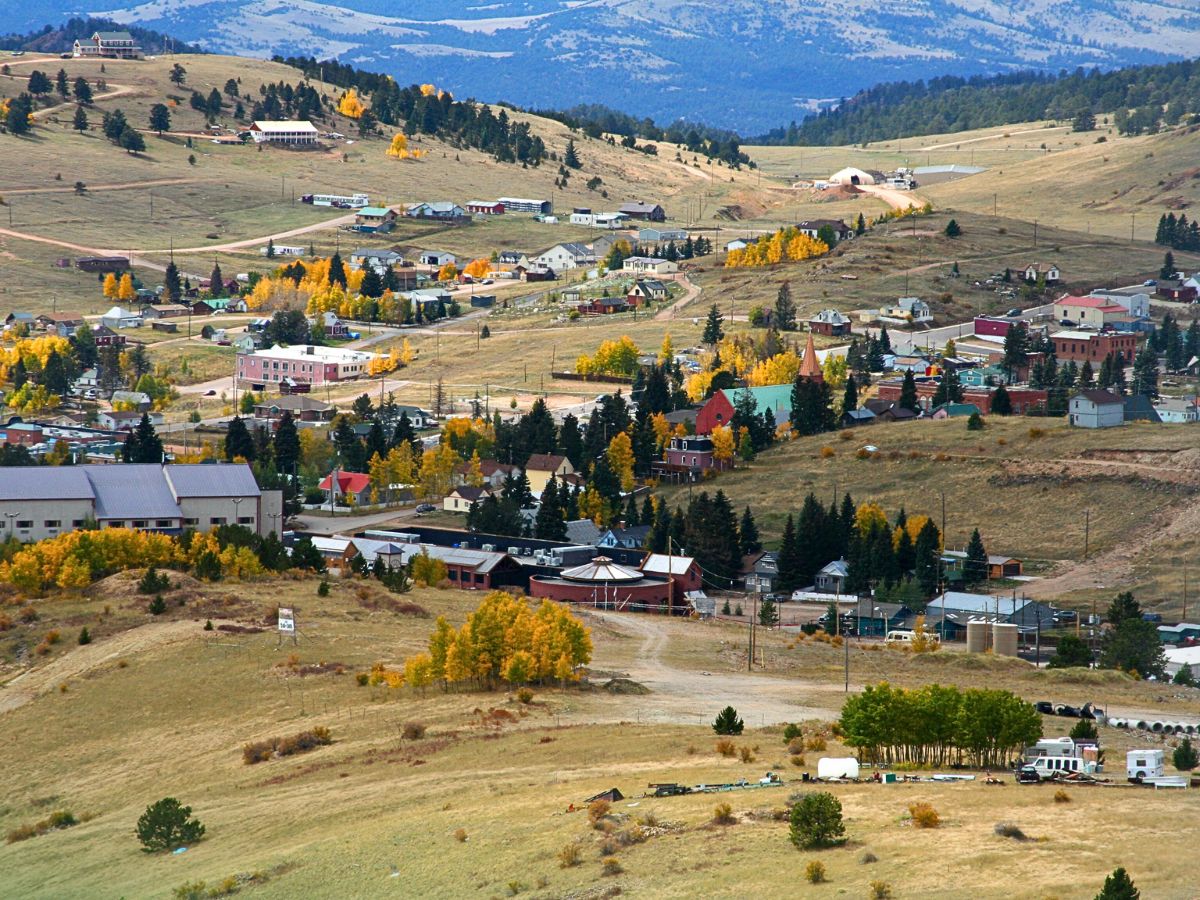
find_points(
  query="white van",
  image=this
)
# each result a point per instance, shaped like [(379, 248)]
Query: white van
[(1140, 764), (899, 637)]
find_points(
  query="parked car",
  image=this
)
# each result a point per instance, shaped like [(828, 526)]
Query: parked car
[(1013, 313), (1149, 282), (1066, 322), (1066, 615), (426, 508), (1028, 775)]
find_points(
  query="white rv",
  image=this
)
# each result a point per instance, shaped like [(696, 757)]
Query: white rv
[(1143, 764)]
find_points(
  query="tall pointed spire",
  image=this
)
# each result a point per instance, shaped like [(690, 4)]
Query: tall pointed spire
[(810, 368)]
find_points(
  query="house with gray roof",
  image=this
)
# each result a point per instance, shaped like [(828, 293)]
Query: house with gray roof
[(40, 502)]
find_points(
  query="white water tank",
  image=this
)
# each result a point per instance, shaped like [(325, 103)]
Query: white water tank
[(976, 636), (1004, 639)]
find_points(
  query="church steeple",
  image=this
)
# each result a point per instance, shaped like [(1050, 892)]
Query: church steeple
[(810, 368)]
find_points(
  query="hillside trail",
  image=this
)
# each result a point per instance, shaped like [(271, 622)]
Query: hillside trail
[(115, 186), (79, 661), (989, 137), (682, 696), (692, 291)]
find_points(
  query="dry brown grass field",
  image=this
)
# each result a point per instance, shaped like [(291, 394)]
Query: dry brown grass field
[(158, 707)]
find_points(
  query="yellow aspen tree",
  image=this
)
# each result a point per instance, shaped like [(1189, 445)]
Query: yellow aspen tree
[(662, 429), (428, 90), (723, 443), (666, 352), (350, 106), (399, 147), (448, 272), (475, 471), (406, 353), (110, 286), (869, 516), (125, 290), (620, 459), (478, 268)]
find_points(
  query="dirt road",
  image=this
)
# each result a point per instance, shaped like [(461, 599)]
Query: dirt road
[(78, 661), (692, 291), (892, 197), (124, 186), (688, 697)]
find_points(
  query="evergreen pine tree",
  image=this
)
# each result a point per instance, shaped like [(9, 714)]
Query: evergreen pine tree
[(1119, 886), (1001, 402), (337, 270), (789, 558), (238, 441), (143, 444), (850, 396), (748, 534), (172, 285), (571, 156), (908, 393), (785, 309), (714, 329), (216, 281), (80, 122), (975, 569), (1168, 267)]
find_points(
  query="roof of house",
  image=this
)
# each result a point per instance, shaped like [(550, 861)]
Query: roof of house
[(352, 482), (639, 207), (374, 212), (1100, 398), (133, 492), (583, 531), (649, 284), (831, 316), (1087, 302), (466, 492), (645, 260), (663, 564), (45, 482), (113, 35), (544, 462), (294, 403), (859, 415), (635, 533), (818, 224), (1075, 335), (284, 127), (773, 397), (994, 560), (601, 569), (372, 253), (978, 603), (838, 568), (212, 480), (572, 247)]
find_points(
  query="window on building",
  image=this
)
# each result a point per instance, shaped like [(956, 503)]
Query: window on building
[(116, 524), (245, 520), (162, 523), (478, 578), (52, 523), (217, 520), (452, 574), (191, 522), (75, 523), (139, 523)]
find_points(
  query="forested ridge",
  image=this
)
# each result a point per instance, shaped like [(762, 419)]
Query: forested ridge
[(1140, 99)]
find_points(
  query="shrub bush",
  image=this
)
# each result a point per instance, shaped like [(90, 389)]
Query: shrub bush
[(816, 822), (1009, 830), (413, 731), (42, 649), (158, 606), (569, 856), (924, 815), (59, 819), (323, 588), (460, 835), (634, 834), (723, 814), (867, 858), (261, 751), (799, 762), (880, 890), (828, 452), (814, 872), (166, 825), (1061, 796), (53, 637), (726, 748), (791, 731), (598, 811), (610, 865), (746, 754), (525, 695), (816, 744), (84, 636), (1185, 757)]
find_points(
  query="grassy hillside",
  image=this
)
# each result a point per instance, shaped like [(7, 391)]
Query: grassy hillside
[(1024, 483), (163, 709)]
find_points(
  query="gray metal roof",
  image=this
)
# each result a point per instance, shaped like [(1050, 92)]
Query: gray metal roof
[(131, 492), (212, 480), (44, 483)]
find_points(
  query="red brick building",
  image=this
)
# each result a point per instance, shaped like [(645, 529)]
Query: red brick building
[(1094, 346), (693, 452)]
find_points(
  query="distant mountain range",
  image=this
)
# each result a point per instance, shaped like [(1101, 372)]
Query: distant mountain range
[(744, 64)]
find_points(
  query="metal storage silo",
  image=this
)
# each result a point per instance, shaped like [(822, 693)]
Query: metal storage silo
[(976, 636), (1004, 639)]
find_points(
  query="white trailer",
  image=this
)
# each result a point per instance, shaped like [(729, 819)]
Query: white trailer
[(1144, 764)]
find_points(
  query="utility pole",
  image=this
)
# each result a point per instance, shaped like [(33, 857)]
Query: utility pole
[(1087, 528)]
